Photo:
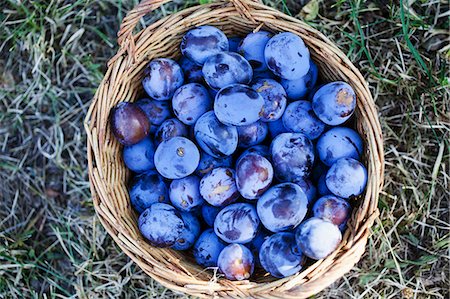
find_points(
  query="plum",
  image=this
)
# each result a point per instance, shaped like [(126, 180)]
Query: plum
[(170, 128), (287, 56), (129, 123), (209, 214), (322, 188), (207, 248), (185, 193), (208, 163), (298, 89), (146, 189), (252, 134), (346, 178), (267, 74), (190, 232), (191, 101), (262, 150), (307, 187), (233, 43), (337, 143), (215, 138), (276, 128), (292, 156), (192, 71), (200, 43), (255, 244), (156, 111), (252, 48), (300, 118), (218, 187), (254, 174), (334, 209), (238, 105), (317, 238), (237, 223), (334, 103), (282, 207), (223, 69), (139, 157), (274, 98), (176, 158), (162, 77), (236, 262), (280, 256), (161, 224)]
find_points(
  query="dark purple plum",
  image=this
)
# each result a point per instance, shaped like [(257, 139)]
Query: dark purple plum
[(202, 42), (139, 157), (233, 43), (292, 156), (280, 256), (226, 68), (307, 187), (176, 158), (254, 174), (282, 207), (322, 188), (262, 150), (190, 232), (129, 123), (161, 224), (192, 71), (218, 187), (274, 99), (170, 128), (236, 262), (191, 101), (276, 128), (237, 223), (208, 163), (346, 178), (162, 77), (252, 134), (156, 111), (287, 56), (334, 209), (147, 189), (238, 105), (185, 193), (300, 118), (252, 48), (207, 248), (209, 214), (318, 238), (298, 89), (337, 143), (215, 138), (255, 244), (334, 103)]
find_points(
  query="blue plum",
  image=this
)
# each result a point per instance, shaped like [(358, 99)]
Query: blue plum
[(322, 188), (276, 128), (161, 224), (287, 56), (299, 88), (170, 128), (236, 262), (192, 71), (207, 248), (317, 238), (238, 105), (252, 48), (209, 214), (280, 255), (237, 223), (139, 157), (202, 42), (233, 43), (218, 187), (147, 189), (254, 174), (334, 209), (191, 101), (185, 193), (176, 158), (292, 156), (208, 163), (346, 178), (337, 143), (300, 118), (307, 187), (129, 123), (255, 244), (274, 99), (252, 134), (282, 207), (156, 111), (190, 232), (162, 77), (215, 138), (267, 74), (226, 68), (262, 150), (334, 103)]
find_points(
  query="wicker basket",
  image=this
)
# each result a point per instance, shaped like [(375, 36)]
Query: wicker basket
[(108, 175)]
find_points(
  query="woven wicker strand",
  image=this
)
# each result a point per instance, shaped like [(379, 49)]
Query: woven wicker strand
[(108, 175)]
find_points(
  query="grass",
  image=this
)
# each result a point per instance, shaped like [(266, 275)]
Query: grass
[(53, 55)]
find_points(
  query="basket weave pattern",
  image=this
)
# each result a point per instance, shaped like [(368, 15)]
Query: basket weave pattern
[(108, 175)]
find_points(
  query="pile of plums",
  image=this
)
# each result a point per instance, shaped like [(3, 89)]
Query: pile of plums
[(240, 155)]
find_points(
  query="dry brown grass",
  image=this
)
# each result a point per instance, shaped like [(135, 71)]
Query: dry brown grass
[(53, 54)]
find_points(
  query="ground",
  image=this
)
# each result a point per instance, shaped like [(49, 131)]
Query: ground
[(53, 55)]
